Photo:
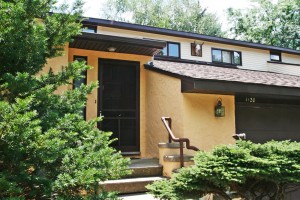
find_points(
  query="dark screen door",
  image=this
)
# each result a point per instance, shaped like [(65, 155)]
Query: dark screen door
[(119, 102)]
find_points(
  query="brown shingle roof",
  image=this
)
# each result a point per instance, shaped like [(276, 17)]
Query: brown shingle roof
[(208, 72)]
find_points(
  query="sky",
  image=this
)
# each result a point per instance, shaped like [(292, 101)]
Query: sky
[(93, 8)]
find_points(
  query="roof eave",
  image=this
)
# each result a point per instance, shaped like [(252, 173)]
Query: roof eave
[(195, 36)]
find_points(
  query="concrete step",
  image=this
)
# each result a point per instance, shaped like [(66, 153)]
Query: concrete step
[(128, 185), (174, 145), (172, 162), (176, 158), (137, 196), (145, 168), (167, 149)]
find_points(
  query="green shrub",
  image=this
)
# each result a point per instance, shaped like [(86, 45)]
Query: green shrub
[(47, 149), (246, 170)]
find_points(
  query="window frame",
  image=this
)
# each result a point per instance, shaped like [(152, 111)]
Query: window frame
[(75, 57), (231, 57), (277, 53), (168, 50)]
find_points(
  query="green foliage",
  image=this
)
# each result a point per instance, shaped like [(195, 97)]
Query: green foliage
[(276, 24), (181, 15), (47, 149), (248, 170)]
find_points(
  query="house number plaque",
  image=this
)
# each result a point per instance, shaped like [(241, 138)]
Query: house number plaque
[(250, 99)]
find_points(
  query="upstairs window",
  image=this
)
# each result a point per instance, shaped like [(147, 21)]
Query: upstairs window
[(275, 56), (89, 29), (227, 57), (172, 50)]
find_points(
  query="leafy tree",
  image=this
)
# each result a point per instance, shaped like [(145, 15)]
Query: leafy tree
[(269, 23), (246, 170), (47, 149), (181, 15)]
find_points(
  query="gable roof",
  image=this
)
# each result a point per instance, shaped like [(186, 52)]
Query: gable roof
[(208, 72), (182, 34)]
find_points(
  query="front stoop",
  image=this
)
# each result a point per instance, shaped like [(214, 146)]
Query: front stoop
[(170, 159), (145, 168), (145, 171), (172, 163), (129, 185)]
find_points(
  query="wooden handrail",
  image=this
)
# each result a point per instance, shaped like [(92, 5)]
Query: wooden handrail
[(168, 124)]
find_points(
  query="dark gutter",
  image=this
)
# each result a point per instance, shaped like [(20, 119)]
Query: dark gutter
[(182, 34)]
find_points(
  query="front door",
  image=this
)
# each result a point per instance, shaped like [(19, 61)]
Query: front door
[(119, 102)]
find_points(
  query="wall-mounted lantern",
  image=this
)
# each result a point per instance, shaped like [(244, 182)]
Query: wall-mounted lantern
[(219, 109)]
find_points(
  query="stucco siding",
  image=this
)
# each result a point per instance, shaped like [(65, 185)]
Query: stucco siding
[(164, 98), (56, 65), (192, 115), (204, 130), (92, 75)]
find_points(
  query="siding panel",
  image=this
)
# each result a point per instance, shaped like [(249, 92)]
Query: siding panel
[(252, 59)]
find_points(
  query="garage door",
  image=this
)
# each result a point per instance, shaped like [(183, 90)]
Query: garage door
[(266, 121)]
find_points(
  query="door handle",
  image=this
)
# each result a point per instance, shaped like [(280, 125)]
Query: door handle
[(239, 136)]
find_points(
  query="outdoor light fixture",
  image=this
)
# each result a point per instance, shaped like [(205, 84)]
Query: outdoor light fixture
[(219, 109), (111, 49)]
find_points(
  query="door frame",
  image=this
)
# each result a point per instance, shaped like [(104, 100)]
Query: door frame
[(102, 62)]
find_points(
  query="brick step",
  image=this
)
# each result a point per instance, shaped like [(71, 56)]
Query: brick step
[(145, 168), (128, 185)]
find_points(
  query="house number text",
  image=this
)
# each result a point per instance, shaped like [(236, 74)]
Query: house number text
[(250, 99)]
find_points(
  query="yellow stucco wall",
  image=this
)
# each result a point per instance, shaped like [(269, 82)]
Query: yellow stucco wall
[(56, 65), (164, 98), (200, 124), (192, 115), (92, 75), (160, 95)]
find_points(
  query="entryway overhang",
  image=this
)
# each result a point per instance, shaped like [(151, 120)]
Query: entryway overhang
[(100, 42), (209, 79)]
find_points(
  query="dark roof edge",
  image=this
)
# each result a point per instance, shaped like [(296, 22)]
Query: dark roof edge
[(163, 31), (180, 60)]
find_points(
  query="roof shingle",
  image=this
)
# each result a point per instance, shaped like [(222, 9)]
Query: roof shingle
[(207, 72)]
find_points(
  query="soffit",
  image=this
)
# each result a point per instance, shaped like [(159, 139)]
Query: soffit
[(99, 42)]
